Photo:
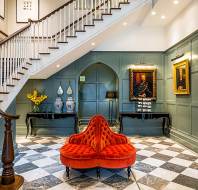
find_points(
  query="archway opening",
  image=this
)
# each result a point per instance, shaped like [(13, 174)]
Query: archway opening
[(94, 83)]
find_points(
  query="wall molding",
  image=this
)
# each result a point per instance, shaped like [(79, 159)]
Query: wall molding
[(188, 140)]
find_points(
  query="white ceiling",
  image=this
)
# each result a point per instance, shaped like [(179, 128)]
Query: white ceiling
[(166, 8)]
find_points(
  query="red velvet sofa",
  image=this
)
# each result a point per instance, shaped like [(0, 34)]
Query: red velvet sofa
[(97, 147)]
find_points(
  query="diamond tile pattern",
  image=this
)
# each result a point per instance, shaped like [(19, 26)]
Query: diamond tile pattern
[(161, 164)]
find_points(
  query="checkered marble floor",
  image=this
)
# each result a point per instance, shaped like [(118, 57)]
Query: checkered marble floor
[(161, 164)]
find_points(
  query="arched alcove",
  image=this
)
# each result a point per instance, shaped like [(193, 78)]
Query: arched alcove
[(94, 82)]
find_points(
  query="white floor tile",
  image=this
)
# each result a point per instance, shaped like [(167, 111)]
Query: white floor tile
[(145, 153), (21, 161), (34, 174), (153, 162), (35, 146), (51, 153), (160, 146), (44, 162), (175, 186), (180, 162), (189, 152), (169, 153), (191, 172), (62, 186), (164, 174)]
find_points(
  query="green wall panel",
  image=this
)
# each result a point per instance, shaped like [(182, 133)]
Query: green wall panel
[(183, 108), (120, 62)]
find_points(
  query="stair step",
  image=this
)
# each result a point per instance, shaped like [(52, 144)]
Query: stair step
[(71, 36), (14, 78), (20, 73), (89, 25), (62, 42), (107, 14), (4, 92), (10, 85), (25, 68), (35, 59), (124, 2), (116, 8), (28, 63), (98, 19), (53, 47), (80, 30), (44, 53)]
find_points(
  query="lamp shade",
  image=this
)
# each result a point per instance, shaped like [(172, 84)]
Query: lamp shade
[(111, 94)]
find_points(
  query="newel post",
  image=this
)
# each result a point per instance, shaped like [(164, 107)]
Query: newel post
[(8, 180), (7, 155)]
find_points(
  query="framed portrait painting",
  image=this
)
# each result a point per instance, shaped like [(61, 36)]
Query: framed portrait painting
[(27, 9), (181, 81), (143, 83), (2, 9)]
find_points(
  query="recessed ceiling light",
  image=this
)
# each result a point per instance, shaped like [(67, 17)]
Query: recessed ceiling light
[(176, 2), (57, 66), (124, 23), (163, 17), (153, 13), (93, 44)]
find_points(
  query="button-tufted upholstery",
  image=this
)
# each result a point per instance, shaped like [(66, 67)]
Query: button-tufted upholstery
[(98, 146)]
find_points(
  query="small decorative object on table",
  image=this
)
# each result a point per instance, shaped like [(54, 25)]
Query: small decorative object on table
[(144, 105), (36, 98), (70, 104), (58, 104)]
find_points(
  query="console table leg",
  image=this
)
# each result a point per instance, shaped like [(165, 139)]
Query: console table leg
[(121, 124), (163, 125), (27, 125)]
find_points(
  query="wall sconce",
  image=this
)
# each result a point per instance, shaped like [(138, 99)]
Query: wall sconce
[(177, 57)]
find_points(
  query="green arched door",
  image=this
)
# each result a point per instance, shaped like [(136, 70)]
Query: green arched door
[(94, 82)]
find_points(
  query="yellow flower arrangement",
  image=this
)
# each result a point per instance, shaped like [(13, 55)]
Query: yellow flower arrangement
[(36, 98)]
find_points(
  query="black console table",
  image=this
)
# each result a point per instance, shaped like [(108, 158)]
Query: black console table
[(166, 122), (43, 115)]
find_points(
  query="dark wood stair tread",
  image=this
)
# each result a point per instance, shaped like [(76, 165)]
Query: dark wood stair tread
[(28, 63), (44, 53), (34, 59), (62, 42), (20, 73), (10, 85), (4, 92), (14, 78), (25, 68)]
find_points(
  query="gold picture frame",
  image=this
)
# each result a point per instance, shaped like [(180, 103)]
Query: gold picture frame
[(181, 80), (143, 83)]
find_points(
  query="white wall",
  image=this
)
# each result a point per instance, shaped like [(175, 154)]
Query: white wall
[(183, 25), (135, 38), (46, 6), (3, 22)]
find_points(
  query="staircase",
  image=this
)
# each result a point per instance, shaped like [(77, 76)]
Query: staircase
[(46, 46)]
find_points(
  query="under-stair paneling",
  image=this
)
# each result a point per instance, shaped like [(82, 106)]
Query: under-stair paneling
[(120, 62), (183, 108)]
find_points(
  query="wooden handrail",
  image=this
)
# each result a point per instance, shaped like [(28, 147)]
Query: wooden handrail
[(3, 33), (34, 21), (51, 13), (14, 34), (8, 116)]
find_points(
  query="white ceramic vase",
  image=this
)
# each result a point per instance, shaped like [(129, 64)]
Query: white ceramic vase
[(58, 105), (70, 104)]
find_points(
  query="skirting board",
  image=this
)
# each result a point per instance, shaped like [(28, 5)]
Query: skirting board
[(186, 140)]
